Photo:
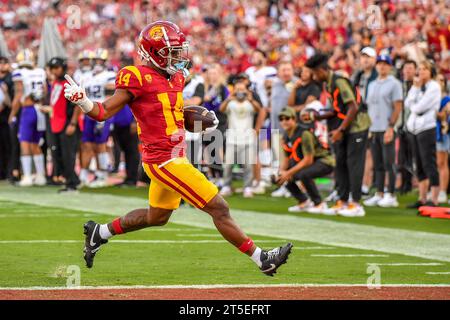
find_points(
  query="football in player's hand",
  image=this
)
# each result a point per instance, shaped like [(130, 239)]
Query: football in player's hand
[(197, 119)]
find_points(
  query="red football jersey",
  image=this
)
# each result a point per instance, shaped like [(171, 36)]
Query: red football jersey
[(158, 109)]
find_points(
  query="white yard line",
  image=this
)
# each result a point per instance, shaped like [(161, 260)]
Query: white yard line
[(425, 245), (313, 248), (437, 273), (124, 241), (350, 255), (225, 286), (406, 264), (168, 229), (200, 235)]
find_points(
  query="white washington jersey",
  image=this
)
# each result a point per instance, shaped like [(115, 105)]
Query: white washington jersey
[(80, 76), (95, 85), (34, 81)]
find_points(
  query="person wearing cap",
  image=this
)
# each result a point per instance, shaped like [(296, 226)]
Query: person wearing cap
[(348, 129), (384, 101), (306, 159), (361, 79), (63, 125)]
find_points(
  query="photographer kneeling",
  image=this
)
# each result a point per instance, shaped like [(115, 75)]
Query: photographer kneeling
[(305, 160)]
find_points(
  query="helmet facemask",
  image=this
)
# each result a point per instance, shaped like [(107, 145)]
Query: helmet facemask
[(176, 58)]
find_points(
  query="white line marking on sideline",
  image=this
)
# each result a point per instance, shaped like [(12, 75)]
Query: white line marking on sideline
[(123, 241), (436, 273), (225, 286), (406, 264), (313, 248), (199, 235), (349, 255), (420, 244), (170, 229)]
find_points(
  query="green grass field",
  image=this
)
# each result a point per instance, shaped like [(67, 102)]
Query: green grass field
[(41, 235)]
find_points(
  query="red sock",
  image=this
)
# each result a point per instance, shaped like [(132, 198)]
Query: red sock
[(116, 226)]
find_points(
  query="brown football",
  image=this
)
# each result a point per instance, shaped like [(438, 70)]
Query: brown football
[(197, 119)]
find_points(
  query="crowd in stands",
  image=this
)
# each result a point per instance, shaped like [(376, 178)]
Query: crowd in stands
[(258, 65)]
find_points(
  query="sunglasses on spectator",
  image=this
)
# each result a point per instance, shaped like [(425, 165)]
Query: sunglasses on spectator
[(284, 118)]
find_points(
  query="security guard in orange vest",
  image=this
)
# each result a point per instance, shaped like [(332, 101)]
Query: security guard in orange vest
[(348, 124)]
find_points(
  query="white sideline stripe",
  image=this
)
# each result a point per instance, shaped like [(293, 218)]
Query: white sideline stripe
[(168, 229), (313, 248), (123, 241), (226, 286), (406, 264), (436, 273), (420, 244), (349, 255), (199, 235)]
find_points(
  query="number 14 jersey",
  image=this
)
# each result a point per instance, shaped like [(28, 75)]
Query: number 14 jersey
[(158, 109)]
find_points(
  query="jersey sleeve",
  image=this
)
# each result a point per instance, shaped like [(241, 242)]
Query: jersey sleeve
[(17, 75), (130, 79)]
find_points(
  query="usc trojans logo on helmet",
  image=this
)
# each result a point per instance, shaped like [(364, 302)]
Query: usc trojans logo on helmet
[(156, 33)]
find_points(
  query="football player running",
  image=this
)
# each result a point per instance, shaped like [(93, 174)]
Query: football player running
[(153, 91), (30, 89), (99, 85)]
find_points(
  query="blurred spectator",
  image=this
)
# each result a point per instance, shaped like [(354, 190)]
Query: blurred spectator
[(193, 95), (384, 103), (282, 87), (443, 139), (305, 91), (63, 125), (215, 93), (405, 152), (361, 79), (348, 128), (423, 101), (240, 138), (306, 159), (126, 138)]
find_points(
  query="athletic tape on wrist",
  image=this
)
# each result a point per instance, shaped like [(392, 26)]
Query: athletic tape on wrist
[(116, 226), (247, 245)]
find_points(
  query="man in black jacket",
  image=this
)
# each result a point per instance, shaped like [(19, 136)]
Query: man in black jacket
[(9, 143)]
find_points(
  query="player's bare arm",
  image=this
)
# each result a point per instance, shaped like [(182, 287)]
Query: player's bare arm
[(18, 89)]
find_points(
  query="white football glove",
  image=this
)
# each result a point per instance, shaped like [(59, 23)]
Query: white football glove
[(77, 95), (216, 123)]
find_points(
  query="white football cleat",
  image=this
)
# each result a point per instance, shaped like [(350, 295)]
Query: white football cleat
[(97, 183), (281, 192), (352, 210), (332, 211), (319, 209), (388, 201), (226, 191), (40, 180), (301, 207), (26, 181), (442, 198), (373, 201), (248, 192)]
